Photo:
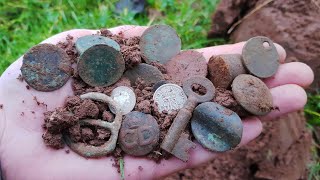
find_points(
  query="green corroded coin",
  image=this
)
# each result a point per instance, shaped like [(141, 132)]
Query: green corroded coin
[(159, 43), (85, 42), (101, 65), (216, 127), (46, 67)]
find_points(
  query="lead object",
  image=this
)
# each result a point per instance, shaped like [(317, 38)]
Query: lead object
[(139, 133), (85, 42), (46, 67), (216, 127), (176, 142), (159, 43), (125, 98), (252, 94), (86, 150), (169, 97), (260, 57), (101, 65), (224, 68)]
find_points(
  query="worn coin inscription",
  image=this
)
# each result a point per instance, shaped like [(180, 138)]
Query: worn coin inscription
[(169, 97), (125, 98)]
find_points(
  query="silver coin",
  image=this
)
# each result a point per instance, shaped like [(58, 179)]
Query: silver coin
[(169, 97), (125, 98)]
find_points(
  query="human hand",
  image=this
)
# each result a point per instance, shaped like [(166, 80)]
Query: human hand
[(23, 155)]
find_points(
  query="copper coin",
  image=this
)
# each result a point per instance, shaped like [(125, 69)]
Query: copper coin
[(252, 94), (216, 127), (224, 68), (101, 65), (85, 42), (139, 133), (185, 65), (159, 43), (260, 57), (46, 67), (148, 73)]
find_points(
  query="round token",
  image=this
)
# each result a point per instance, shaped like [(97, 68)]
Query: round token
[(224, 68), (139, 133), (46, 67), (148, 73), (252, 94), (125, 98), (158, 84), (101, 65), (185, 65), (159, 43), (85, 42), (260, 57), (216, 127), (169, 97)]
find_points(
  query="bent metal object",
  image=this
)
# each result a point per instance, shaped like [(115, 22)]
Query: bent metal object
[(86, 150)]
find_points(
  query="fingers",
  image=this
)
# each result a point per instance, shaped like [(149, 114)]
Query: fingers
[(291, 73), (288, 98), (235, 49)]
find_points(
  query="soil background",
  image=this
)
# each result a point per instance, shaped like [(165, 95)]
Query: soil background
[(282, 151)]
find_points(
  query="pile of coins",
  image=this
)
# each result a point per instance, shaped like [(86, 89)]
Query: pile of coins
[(190, 90)]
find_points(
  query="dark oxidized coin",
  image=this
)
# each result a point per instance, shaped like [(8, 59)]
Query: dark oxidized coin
[(260, 57), (252, 94), (46, 67), (139, 133), (185, 65), (159, 43), (216, 127), (224, 68), (148, 73), (85, 42), (101, 65)]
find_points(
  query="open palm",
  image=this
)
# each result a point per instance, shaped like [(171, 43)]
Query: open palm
[(23, 154)]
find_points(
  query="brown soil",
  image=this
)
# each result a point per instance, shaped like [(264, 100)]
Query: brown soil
[(282, 151)]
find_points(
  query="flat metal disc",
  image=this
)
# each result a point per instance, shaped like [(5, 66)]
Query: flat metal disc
[(159, 43), (125, 98), (101, 65), (46, 67), (260, 57), (216, 127), (185, 65), (148, 73), (252, 94), (85, 42)]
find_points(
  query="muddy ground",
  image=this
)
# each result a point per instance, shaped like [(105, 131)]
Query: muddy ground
[(282, 151)]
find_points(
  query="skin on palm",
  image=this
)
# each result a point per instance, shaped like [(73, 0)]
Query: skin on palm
[(23, 154)]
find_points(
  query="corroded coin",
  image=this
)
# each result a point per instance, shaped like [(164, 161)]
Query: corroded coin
[(85, 42), (185, 65), (139, 133), (46, 67), (252, 94), (159, 43), (216, 127), (260, 57), (169, 97), (148, 73), (101, 65), (125, 98), (224, 68)]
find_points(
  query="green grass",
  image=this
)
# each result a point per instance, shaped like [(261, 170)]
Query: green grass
[(24, 23), (312, 110)]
